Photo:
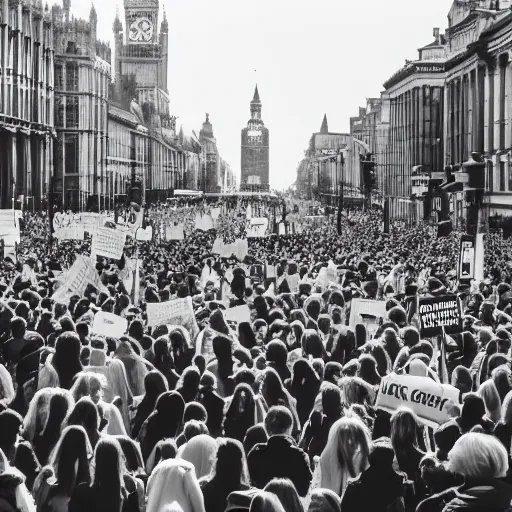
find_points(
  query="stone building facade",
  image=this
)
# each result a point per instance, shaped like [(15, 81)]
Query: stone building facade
[(26, 103)]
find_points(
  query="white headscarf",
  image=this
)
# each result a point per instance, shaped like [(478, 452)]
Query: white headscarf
[(200, 451)]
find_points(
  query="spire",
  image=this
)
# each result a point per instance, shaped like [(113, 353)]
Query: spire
[(93, 17), (117, 25), (324, 128), (256, 98), (165, 24)]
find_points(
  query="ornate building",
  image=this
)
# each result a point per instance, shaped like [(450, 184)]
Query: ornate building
[(210, 180), (255, 150), (82, 76), (26, 102)]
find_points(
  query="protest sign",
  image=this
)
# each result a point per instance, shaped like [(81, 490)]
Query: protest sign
[(175, 312), (175, 232), (81, 273), (368, 312), (108, 243), (72, 232), (10, 227), (145, 235), (430, 400), (258, 227), (239, 248), (437, 312), (282, 228), (238, 314), (91, 221), (109, 324)]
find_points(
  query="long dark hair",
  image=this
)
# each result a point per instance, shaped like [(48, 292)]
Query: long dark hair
[(66, 359), (85, 414), (229, 471), (108, 475), (222, 349), (240, 416), (72, 447), (154, 384)]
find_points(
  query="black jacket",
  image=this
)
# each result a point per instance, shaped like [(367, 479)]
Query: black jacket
[(484, 496), (374, 490), (279, 458)]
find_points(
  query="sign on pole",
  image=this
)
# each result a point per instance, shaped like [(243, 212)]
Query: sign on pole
[(438, 312)]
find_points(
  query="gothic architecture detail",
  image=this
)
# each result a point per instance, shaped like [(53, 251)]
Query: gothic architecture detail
[(255, 150)]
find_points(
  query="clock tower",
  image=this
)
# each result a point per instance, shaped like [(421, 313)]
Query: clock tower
[(141, 57), (255, 151)]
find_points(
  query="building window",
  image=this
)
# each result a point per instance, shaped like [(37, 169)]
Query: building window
[(59, 77), (71, 76), (71, 152), (502, 176), (72, 112)]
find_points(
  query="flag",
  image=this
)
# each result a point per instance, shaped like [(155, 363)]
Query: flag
[(442, 370)]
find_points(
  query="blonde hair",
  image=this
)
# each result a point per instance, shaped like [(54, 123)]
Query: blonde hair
[(87, 383), (356, 391), (479, 456), (491, 397), (345, 455)]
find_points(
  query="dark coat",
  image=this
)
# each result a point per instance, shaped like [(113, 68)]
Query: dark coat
[(485, 496), (279, 458), (374, 490)]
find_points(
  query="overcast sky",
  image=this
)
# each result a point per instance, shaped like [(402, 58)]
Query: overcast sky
[(308, 57)]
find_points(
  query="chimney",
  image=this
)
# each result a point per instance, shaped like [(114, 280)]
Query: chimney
[(436, 35)]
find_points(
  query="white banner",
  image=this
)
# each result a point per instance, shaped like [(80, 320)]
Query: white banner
[(367, 312), (258, 227), (238, 314), (108, 243), (73, 232), (430, 400), (109, 324), (10, 227), (238, 248), (145, 235), (91, 221), (175, 312), (81, 273), (175, 232)]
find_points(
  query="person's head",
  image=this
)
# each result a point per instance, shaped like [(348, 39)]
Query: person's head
[(10, 424), (349, 438), (230, 462), (492, 402), (332, 401), (381, 454), (473, 410), (445, 436), (286, 492), (404, 429), (85, 414), (18, 327), (69, 459), (132, 454), (89, 384), (478, 457), (461, 379), (279, 421), (108, 473), (324, 500), (154, 384), (266, 502)]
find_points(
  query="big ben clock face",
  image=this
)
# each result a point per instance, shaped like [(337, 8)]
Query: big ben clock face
[(141, 30)]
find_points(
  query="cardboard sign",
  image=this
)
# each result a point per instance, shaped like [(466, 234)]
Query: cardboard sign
[(73, 232), (145, 235), (175, 312), (437, 312), (175, 232), (430, 400), (238, 314), (81, 273), (367, 312), (258, 227), (109, 324), (108, 243)]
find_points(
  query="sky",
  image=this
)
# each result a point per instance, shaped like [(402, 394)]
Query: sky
[(308, 58)]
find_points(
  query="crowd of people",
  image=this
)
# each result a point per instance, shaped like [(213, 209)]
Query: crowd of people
[(275, 413)]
